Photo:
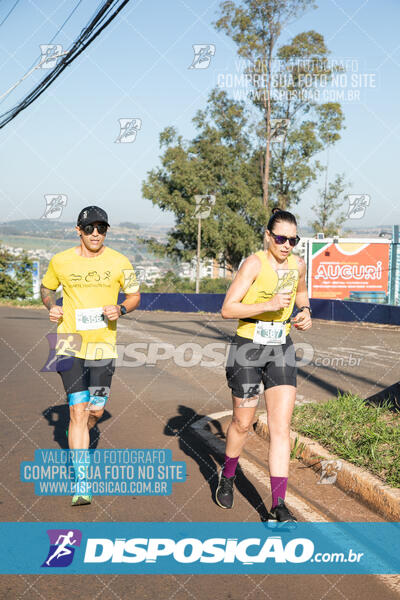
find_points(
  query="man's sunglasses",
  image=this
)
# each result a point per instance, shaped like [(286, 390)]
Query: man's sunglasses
[(101, 229), (282, 239)]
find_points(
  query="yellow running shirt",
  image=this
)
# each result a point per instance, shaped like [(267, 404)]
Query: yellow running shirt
[(88, 285), (268, 283)]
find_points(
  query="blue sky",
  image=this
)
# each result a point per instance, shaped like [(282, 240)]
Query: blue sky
[(138, 68)]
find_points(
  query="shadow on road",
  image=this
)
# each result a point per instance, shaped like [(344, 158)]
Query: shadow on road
[(390, 397), (207, 331), (58, 417), (391, 393), (324, 385), (206, 455)]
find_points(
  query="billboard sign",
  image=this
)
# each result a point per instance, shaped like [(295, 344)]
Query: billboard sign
[(338, 267)]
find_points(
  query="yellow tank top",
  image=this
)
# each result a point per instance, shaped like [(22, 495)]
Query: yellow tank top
[(268, 283)]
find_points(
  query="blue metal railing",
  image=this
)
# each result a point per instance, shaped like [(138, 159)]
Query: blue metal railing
[(332, 310)]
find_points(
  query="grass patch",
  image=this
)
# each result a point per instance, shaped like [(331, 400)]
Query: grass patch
[(31, 302), (297, 449), (367, 436)]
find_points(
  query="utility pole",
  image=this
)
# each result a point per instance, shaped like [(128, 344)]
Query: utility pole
[(198, 254), (202, 211)]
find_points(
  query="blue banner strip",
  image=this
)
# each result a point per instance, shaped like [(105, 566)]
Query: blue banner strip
[(331, 310), (106, 472), (199, 548)]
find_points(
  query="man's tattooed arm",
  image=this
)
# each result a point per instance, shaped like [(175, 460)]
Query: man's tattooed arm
[(48, 296)]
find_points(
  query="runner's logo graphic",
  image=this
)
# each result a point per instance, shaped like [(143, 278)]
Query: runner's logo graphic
[(50, 55), (251, 392), (358, 204), (279, 129), (202, 55), (140, 274), (203, 206), (128, 130), (287, 281), (68, 344), (98, 397), (251, 389), (329, 471), (62, 547), (55, 204), (130, 282)]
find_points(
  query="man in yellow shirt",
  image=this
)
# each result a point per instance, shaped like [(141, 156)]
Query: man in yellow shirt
[(91, 276)]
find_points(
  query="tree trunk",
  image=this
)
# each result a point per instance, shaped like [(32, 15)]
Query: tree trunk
[(198, 256), (267, 108)]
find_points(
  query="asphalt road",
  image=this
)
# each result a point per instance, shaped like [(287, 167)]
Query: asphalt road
[(173, 395)]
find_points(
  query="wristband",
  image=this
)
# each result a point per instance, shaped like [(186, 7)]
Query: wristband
[(303, 307), (122, 309)]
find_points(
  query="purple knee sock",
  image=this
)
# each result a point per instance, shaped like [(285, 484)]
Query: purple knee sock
[(278, 488), (230, 466)]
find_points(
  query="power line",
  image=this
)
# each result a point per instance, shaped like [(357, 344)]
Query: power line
[(65, 22), (9, 13), (99, 22), (38, 63)]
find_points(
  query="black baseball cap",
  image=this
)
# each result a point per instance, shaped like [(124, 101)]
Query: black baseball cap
[(92, 214)]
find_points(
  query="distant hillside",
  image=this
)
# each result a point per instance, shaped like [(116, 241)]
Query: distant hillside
[(33, 226), (66, 229)]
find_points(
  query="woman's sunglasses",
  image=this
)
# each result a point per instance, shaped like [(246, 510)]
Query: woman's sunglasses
[(282, 239), (88, 229)]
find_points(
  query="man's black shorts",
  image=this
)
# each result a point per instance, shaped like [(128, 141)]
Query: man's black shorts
[(79, 374), (250, 364)]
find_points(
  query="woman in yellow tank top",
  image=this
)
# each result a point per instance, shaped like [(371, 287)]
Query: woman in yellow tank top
[(262, 296)]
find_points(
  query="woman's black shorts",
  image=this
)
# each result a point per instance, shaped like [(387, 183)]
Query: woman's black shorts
[(250, 364)]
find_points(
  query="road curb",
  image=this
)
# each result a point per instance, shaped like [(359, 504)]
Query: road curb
[(350, 478)]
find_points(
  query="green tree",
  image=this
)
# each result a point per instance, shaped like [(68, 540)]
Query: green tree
[(15, 276), (217, 161), (215, 286), (285, 84), (235, 154), (327, 220), (171, 282)]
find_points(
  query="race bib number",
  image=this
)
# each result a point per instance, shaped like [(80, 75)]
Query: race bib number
[(268, 332), (90, 318)]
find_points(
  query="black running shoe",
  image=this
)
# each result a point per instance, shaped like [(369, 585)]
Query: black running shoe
[(281, 514), (224, 493)]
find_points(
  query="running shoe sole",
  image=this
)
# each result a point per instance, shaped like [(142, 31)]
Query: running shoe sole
[(275, 524), (81, 500), (226, 507)]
